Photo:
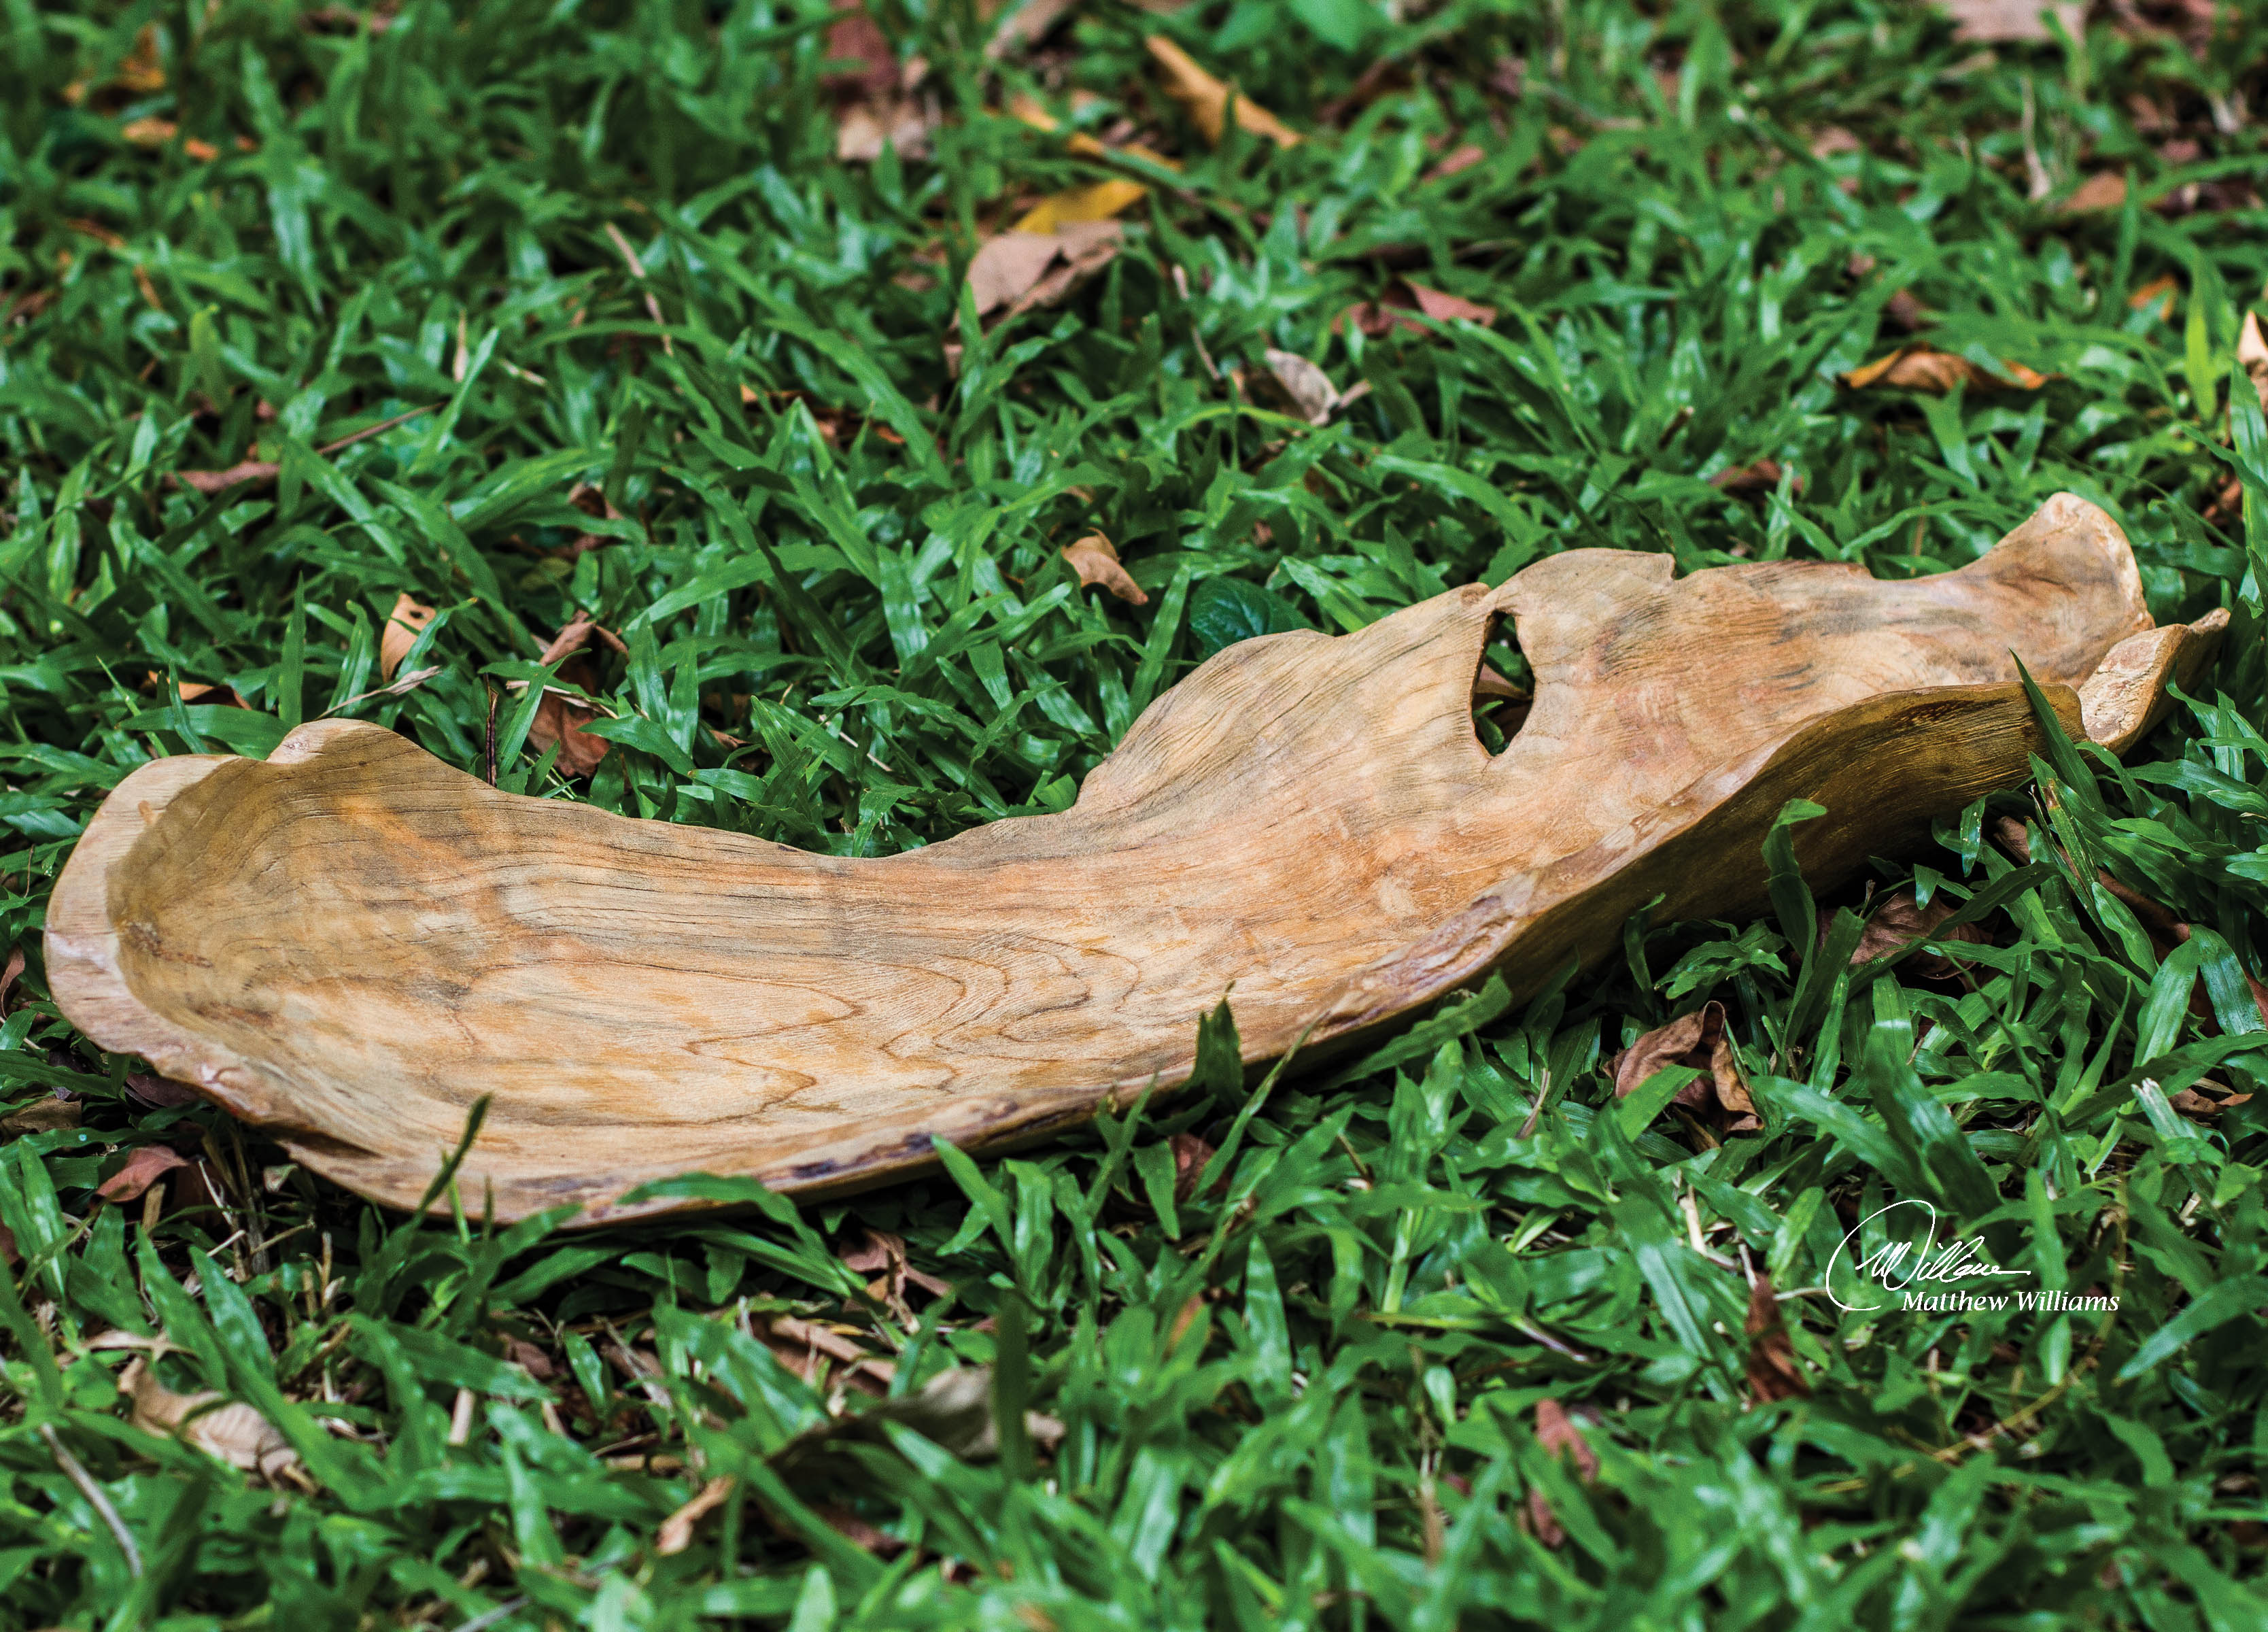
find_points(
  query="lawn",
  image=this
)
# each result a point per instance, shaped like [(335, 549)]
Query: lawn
[(316, 320)]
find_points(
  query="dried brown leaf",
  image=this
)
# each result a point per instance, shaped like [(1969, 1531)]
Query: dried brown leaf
[(142, 1169), (1900, 921), (1541, 1521), (1774, 1372), (218, 696), (1442, 307), (149, 132), (881, 1251), (1007, 266), (1019, 270), (676, 1531), (2104, 190), (1190, 1155), (1306, 387), (558, 719), (2252, 355), (233, 1432), (1455, 161), (1087, 248), (1762, 477), (886, 1252), (1556, 1432), (11, 975), (1904, 309), (855, 38), (575, 634), (1699, 1040), (875, 106), (1205, 99), (43, 1115), (1993, 22), (1923, 368), (1026, 24), (1488, 683), (403, 626), (530, 1358), (1095, 560), (212, 482), (1390, 311), (900, 123), (2194, 1104), (158, 1092), (857, 1531)]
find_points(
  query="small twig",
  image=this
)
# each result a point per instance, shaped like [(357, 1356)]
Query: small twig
[(482, 1622), (637, 272), (402, 687), (367, 432), (100, 1502), (1536, 1112), (1529, 1329)]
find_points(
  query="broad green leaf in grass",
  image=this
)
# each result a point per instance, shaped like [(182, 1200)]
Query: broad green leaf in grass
[(1790, 897), (2228, 1301), (1224, 610)]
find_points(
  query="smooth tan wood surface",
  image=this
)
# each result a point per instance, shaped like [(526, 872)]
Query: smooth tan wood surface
[(351, 943)]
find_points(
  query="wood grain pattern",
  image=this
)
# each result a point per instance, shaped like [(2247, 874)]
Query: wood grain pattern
[(351, 943)]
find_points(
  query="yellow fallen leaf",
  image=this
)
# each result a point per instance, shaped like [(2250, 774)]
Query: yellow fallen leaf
[(1028, 110), (149, 132), (1098, 202), (403, 626), (1206, 98), (1095, 559)]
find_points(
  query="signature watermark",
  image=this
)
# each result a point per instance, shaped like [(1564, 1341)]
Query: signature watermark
[(1909, 1270)]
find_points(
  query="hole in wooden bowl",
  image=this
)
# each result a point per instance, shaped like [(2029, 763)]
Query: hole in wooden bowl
[(1502, 686)]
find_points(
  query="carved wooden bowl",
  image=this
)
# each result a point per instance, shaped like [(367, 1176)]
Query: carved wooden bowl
[(351, 943)]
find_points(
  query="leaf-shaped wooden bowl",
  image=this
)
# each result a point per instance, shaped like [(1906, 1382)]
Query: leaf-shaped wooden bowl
[(351, 943)]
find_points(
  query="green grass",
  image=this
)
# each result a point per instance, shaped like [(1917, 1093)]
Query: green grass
[(1308, 1396)]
